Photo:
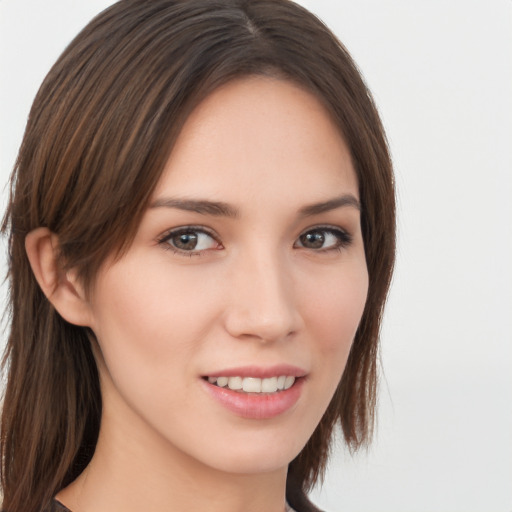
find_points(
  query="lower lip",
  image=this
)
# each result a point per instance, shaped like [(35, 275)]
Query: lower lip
[(256, 406)]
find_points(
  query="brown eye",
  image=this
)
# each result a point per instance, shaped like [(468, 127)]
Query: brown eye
[(189, 240), (312, 240), (185, 241), (324, 239)]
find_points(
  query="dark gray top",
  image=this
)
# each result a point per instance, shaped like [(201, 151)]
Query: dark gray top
[(56, 506)]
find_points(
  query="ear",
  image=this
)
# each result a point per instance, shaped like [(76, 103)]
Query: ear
[(61, 288)]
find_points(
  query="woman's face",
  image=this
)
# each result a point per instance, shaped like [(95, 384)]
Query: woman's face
[(248, 270)]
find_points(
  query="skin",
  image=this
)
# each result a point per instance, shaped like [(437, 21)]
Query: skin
[(253, 294)]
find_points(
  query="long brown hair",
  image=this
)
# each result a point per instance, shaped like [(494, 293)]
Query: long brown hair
[(99, 133)]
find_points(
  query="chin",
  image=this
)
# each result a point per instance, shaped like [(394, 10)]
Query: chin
[(259, 454), (251, 462)]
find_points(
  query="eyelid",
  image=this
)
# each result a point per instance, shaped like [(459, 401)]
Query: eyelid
[(343, 235), (167, 235)]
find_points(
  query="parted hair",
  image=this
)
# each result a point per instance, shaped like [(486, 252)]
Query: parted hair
[(98, 135)]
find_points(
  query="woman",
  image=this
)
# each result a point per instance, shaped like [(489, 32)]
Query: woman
[(201, 231)]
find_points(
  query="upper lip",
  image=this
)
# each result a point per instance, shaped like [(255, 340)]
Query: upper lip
[(259, 371)]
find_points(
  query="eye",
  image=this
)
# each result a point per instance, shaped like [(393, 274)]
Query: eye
[(189, 240), (324, 239)]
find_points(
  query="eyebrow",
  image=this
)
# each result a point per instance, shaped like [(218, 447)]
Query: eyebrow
[(331, 204), (220, 209), (204, 207)]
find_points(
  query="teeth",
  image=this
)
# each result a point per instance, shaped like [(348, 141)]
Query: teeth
[(288, 383), (254, 384), (269, 385), (235, 383), (222, 382), (251, 385)]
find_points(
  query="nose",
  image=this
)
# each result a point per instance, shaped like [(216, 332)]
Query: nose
[(263, 302)]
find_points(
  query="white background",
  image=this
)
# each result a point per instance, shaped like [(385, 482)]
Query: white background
[(441, 73)]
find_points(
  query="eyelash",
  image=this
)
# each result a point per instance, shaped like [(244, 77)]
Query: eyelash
[(185, 230), (343, 239)]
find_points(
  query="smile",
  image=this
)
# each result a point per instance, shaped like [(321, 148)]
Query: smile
[(254, 384), (256, 398)]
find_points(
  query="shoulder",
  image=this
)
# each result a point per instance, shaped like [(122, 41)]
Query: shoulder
[(56, 506), (304, 508), (299, 502), (307, 508)]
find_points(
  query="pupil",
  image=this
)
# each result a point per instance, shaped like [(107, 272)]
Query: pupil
[(186, 241), (314, 240)]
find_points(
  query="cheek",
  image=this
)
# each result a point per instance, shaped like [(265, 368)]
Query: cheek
[(148, 329), (149, 326), (335, 310), (332, 314), (133, 324), (148, 305)]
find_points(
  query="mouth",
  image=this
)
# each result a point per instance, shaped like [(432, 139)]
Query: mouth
[(256, 393), (253, 385)]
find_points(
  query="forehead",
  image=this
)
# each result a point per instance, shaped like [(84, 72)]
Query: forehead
[(259, 136)]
